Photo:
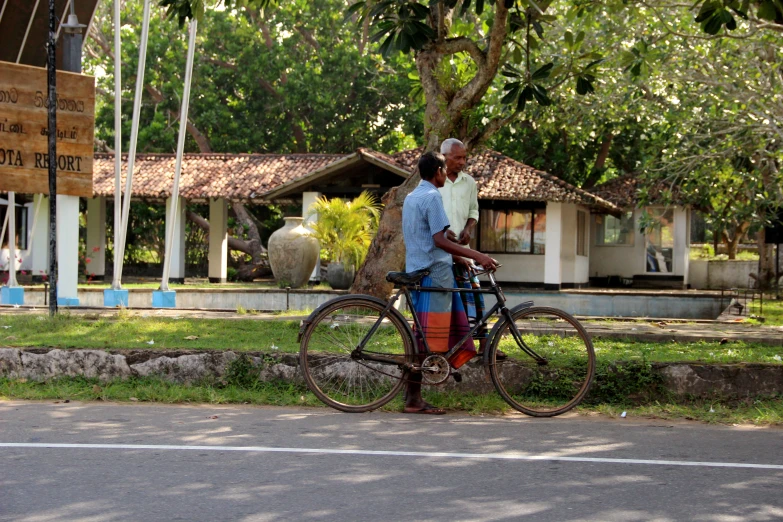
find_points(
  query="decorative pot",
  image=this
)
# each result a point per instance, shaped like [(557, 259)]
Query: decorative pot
[(338, 277), (293, 253)]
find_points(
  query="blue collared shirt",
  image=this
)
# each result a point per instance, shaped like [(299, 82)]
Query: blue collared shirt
[(423, 216)]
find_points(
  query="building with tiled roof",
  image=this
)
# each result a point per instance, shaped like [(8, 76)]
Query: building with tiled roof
[(623, 191), (544, 231), (235, 177), (623, 254), (501, 178)]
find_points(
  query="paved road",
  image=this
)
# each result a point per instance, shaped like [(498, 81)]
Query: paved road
[(106, 462)]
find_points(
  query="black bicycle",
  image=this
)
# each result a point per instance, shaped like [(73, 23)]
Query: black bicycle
[(356, 351)]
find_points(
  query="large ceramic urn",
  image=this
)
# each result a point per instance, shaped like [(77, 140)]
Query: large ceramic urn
[(293, 253)]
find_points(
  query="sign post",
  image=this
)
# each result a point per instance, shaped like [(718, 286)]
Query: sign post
[(51, 76)]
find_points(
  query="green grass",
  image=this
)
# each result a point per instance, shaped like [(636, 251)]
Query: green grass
[(748, 411), (707, 252), (134, 332), (131, 331), (771, 310)]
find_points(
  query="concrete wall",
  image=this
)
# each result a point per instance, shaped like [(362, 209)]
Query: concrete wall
[(577, 303), (207, 298), (721, 274), (622, 305)]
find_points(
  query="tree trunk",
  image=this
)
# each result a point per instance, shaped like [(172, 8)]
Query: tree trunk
[(387, 251), (443, 118), (600, 162), (732, 243), (766, 261)]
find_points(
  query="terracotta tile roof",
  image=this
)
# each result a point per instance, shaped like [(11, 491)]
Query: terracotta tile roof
[(383, 157), (623, 191), (499, 177), (237, 177), (362, 154)]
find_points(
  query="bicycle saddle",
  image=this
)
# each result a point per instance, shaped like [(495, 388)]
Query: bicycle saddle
[(406, 278)]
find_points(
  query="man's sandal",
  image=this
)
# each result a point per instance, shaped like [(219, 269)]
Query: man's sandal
[(427, 409)]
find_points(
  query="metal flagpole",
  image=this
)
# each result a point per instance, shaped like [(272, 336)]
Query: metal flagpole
[(5, 225), (52, 81), (11, 240), (171, 219), (117, 279), (145, 29)]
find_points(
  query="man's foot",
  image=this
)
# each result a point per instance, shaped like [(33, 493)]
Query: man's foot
[(426, 409)]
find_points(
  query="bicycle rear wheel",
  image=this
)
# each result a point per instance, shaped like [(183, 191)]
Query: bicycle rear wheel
[(561, 381), (352, 383)]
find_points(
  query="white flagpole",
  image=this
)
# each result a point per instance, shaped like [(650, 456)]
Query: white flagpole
[(11, 239), (117, 279), (171, 219), (145, 29)]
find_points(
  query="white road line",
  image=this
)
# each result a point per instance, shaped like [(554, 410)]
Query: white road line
[(417, 454)]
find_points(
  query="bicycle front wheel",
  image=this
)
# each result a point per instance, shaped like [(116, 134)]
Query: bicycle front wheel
[(551, 371), (348, 380)]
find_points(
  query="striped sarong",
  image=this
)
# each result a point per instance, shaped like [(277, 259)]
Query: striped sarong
[(473, 302), (441, 314)]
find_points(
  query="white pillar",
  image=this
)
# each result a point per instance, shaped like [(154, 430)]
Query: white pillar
[(177, 273), (67, 250), (308, 198), (95, 244), (554, 232), (39, 242), (681, 254), (218, 240)]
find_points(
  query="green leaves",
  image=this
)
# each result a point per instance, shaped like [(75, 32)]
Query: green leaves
[(584, 84), (713, 16), (401, 25), (523, 90), (543, 72), (184, 10)]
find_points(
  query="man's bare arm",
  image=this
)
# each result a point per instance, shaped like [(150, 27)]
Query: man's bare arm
[(456, 250)]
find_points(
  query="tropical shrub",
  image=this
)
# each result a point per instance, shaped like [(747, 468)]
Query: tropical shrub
[(345, 229)]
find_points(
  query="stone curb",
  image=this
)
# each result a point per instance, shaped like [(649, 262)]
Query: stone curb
[(682, 379)]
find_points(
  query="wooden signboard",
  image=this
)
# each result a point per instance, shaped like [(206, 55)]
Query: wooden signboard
[(24, 131)]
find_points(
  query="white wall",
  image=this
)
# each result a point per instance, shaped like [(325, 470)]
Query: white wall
[(574, 268), (560, 264), (627, 261), (520, 268), (716, 275)]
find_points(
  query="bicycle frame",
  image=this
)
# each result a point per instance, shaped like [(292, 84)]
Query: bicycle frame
[(418, 334)]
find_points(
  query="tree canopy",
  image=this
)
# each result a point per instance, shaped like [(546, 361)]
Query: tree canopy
[(585, 89)]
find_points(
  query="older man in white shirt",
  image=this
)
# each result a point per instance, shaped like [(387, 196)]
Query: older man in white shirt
[(460, 195), (460, 200)]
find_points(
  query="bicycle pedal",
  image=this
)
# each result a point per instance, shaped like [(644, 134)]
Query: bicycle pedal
[(457, 376)]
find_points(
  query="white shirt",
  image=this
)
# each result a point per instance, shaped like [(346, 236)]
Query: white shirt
[(460, 200)]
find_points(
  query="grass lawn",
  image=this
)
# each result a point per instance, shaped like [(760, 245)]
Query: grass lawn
[(771, 311), (758, 412), (130, 331), (611, 395)]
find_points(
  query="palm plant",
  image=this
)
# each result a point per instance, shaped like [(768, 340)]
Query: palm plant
[(346, 229)]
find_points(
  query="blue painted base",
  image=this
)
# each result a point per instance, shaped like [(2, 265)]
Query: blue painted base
[(115, 298), (12, 295), (67, 301), (161, 299)]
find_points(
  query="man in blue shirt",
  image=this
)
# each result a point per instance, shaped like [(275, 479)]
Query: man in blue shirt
[(442, 315)]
